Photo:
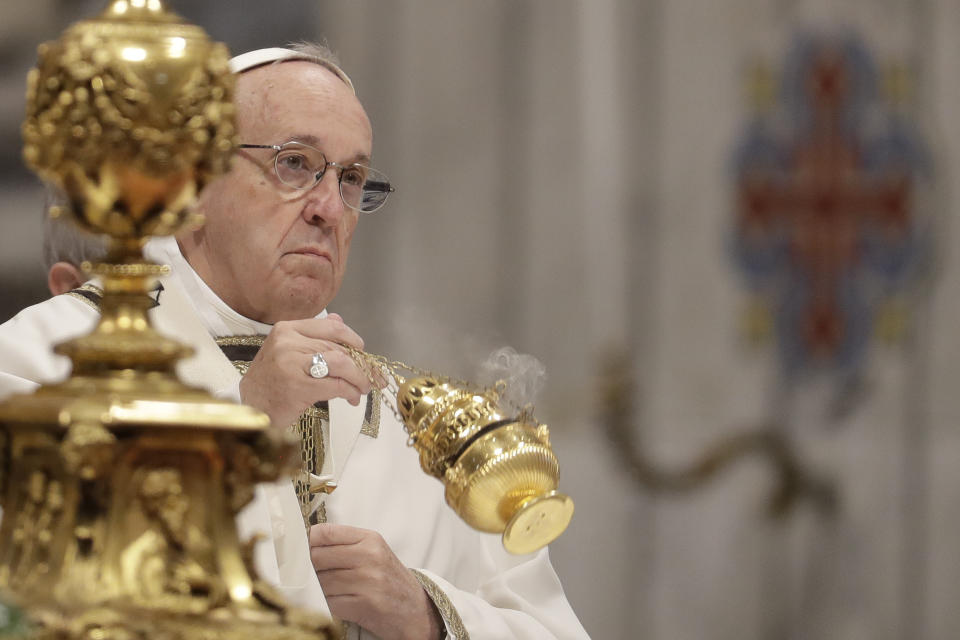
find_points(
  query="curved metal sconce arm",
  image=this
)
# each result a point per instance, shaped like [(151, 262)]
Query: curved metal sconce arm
[(794, 482)]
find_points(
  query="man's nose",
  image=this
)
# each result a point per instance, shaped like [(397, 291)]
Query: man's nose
[(324, 206)]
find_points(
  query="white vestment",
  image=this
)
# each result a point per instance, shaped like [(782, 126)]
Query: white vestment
[(480, 589)]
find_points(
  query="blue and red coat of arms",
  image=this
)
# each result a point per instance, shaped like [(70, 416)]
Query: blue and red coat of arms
[(830, 223)]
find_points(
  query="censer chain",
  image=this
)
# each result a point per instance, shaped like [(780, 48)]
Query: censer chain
[(380, 370)]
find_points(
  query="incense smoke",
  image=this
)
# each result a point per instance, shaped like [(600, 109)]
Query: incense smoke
[(523, 374)]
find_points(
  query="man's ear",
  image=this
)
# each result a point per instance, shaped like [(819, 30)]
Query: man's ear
[(64, 277)]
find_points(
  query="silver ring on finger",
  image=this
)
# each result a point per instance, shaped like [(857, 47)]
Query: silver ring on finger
[(318, 367)]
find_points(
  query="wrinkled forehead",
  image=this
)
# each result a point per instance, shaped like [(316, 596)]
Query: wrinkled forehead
[(296, 99)]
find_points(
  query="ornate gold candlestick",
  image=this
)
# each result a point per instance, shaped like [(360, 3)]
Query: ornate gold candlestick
[(120, 485)]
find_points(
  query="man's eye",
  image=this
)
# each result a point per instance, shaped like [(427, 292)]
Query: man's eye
[(353, 176), (293, 162)]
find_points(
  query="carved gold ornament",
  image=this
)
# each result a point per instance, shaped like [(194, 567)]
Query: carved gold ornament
[(130, 115), (120, 485)]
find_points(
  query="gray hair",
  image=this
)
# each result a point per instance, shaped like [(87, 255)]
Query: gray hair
[(319, 53), (63, 239)]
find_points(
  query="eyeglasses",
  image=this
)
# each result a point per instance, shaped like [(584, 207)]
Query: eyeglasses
[(301, 167)]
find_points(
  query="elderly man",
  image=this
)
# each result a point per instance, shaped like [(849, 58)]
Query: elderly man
[(249, 289)]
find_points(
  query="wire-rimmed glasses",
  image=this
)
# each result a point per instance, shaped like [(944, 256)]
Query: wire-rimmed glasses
[(301, 167)]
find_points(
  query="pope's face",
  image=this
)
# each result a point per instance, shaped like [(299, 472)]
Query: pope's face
[(269, 251)]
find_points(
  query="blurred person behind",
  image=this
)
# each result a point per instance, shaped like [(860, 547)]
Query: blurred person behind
[(66, 246)]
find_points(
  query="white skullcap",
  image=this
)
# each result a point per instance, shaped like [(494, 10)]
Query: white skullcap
[(260, 57)]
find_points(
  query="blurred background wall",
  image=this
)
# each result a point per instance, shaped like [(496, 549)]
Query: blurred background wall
[(629, 191)]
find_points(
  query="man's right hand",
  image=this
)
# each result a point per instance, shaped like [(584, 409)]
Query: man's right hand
[(278, 381)]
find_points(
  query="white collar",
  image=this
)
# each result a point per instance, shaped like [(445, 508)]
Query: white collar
[(217, 317)]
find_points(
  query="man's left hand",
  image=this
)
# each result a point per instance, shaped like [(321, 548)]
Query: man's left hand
[(365, 583)]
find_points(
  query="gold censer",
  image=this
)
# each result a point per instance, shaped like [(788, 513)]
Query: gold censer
[(497, 466)]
